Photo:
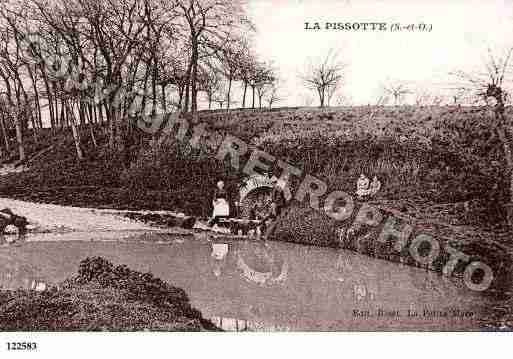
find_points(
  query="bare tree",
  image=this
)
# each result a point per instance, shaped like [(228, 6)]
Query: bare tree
[(324, 76), (265, 85), (91, 62), (210, 24), (231, 58), (490, 85), (219, 96), (397, 90), (273, 94), (11, 71), (4, 119), (261, 74), (247, 69), (212, 83), (174, 71)]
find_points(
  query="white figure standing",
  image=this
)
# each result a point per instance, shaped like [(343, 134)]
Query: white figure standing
[(220, 204)]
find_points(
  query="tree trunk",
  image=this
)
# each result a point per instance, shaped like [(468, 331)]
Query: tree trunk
[(187, 87), (58, 118), (36, 94), (154, 86), (81, 112), (244, 94), (62, 123), (92, 114), (100, 112), (164, 102), (181, 89), (145, 87), (321, 97), (50, 98), (19, 139), (74, 130), (92, 109), (228, 94), (93, 138), (109, 110), (64, 115), (186, 99), (34, 130), (4, 133), (58, 122), (194, 90)]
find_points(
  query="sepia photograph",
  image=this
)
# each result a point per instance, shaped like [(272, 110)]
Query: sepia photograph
[(255, 166)]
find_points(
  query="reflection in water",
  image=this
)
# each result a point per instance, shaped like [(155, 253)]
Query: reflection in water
[(260, 264), (302, 287), (219, 252), (15, 275), (242, 325), (9, 240), (369, 279), (266, 285), (256, 262)]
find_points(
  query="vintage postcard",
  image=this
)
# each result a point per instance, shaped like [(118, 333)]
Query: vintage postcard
[(255, 166)]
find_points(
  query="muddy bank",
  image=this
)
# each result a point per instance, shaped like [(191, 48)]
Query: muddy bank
[(54, 218), (301, 224), (102, 297)]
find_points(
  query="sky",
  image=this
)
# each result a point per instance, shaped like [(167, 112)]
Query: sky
[(462, 32)]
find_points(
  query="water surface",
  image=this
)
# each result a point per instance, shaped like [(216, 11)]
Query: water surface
[(256, 285)]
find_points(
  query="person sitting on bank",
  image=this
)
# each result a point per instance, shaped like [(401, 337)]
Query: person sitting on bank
[(375, 186), (220, 204), (362, 187)]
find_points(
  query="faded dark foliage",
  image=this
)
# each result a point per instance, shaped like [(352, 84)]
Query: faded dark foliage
[(102, 297)]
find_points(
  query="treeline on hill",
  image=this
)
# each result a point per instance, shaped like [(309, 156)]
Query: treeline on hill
[(70, 64)]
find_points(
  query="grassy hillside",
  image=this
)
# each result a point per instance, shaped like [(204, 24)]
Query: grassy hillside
[(425, 157)]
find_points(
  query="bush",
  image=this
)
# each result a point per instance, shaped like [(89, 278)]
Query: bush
[(102, 297)]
